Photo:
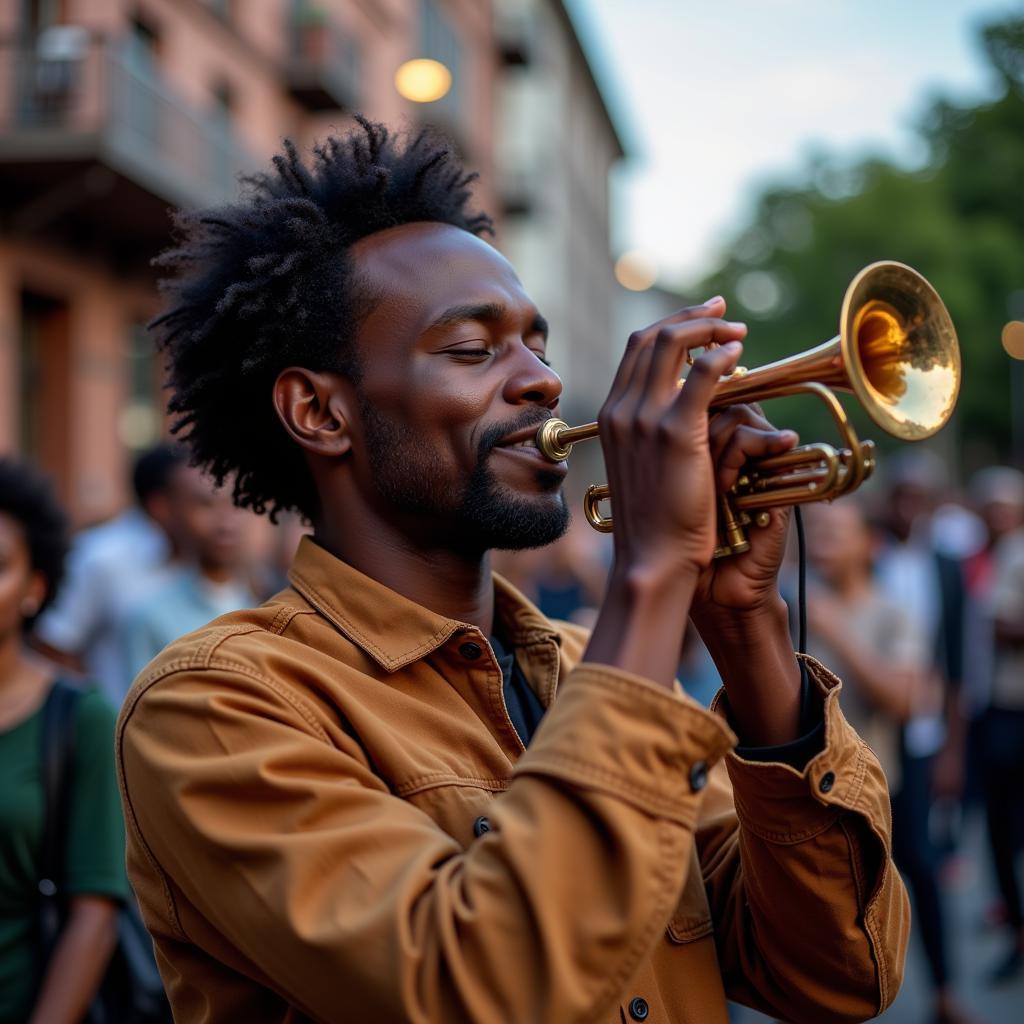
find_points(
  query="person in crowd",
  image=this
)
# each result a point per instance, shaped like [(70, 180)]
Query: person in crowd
[(929, 587), (109, 567), (208, 580), (397, 791), (33, 543), (880, 651), (995, 686)]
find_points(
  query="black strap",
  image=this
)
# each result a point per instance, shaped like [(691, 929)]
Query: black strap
[(57, 750)]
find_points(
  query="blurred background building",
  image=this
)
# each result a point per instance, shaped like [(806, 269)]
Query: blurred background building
[(114, 111)]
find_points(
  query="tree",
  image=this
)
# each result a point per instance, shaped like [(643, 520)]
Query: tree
[(960, 221)]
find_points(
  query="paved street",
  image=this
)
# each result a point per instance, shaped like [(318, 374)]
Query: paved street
[(973, 951)]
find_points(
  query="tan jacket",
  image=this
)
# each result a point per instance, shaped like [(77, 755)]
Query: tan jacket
[(331, 818)]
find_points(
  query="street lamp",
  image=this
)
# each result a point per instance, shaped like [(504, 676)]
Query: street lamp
[(423, 80)]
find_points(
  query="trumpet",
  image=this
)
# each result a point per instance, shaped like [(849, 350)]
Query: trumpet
[(896, 351)]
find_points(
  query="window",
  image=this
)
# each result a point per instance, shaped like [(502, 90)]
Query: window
[(139, 421), (45, 384), (439, 41)]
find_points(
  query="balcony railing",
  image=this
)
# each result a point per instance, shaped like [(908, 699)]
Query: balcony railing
[(324, 65), (101, 103)]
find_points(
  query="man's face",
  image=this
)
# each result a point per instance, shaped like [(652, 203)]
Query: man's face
[(453, 377)]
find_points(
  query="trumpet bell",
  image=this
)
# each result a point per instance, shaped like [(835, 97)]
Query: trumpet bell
[(899, 349)]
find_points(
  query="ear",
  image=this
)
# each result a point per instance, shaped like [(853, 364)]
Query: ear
[(315, 407)]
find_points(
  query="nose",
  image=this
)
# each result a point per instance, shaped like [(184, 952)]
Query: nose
[(532, 381)]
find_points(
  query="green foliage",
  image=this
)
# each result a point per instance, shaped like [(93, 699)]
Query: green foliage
[(960, 222)]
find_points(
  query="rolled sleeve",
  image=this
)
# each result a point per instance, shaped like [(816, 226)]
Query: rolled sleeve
[(633, 740), (783, 804), (812, 870)]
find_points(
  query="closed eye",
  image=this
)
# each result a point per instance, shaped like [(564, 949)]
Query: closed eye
[(470, 353)]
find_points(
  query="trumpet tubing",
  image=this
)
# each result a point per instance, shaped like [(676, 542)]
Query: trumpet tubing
[(896, 351)]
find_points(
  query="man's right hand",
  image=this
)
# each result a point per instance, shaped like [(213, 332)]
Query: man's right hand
[(658, 457), (656, 440)]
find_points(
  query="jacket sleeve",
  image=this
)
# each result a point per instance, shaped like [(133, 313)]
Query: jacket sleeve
[(811, 917), (297, 866)]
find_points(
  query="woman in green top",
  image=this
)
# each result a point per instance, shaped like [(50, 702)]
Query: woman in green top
[(33, 542)]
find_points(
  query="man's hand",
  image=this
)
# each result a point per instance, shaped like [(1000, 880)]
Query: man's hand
[(736, 605), (657, 448), (747, 582)]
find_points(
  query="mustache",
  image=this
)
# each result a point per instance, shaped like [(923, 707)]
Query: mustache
[(492, 435)]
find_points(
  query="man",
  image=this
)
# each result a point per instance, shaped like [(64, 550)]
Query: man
[(928, 585), (995, 684), (396, 792), (109, 566), (209, 579)]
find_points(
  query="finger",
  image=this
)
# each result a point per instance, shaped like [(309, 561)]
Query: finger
[(724, 422), (749, 443), (699, 388), (713, 307), (675, 341), (638, 340)]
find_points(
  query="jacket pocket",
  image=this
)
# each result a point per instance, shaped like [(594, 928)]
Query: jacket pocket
[(692, 917)]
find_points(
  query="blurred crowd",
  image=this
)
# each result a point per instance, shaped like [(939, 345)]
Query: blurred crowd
[(915, 598)]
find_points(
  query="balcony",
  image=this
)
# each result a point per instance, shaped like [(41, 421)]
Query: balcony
[(95, 146), (323, 65)]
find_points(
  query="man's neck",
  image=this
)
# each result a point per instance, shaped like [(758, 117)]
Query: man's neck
[(450, 583)]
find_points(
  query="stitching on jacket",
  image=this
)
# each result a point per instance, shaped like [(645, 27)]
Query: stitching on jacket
[(391, 661), (307, 713), (656, 700), (833, 814), (669, 805), (437, 779), (169, 904), (284, 616), (663, 882), (185, 664), (870, 921)]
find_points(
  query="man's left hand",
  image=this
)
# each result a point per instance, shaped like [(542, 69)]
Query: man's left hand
[(744, 583)]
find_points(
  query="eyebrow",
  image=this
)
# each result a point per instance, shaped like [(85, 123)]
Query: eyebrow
[(483, 312)]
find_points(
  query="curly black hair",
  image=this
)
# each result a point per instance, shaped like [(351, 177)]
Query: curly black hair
[(27, 496), (267, 282)]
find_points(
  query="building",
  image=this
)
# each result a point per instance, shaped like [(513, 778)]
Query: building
[(113, 111), (556, 145)]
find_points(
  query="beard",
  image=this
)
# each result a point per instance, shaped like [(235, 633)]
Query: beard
[(481, 515)]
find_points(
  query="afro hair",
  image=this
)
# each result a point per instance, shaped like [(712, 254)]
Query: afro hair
[(267, 282)]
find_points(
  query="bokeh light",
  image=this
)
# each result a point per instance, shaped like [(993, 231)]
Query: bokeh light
[(1013, 339), (423, 80), (636, 271)]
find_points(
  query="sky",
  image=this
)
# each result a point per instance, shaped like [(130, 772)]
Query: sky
[(716, 97)]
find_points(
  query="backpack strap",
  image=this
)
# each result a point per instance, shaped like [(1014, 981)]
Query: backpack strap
[(57, 750)]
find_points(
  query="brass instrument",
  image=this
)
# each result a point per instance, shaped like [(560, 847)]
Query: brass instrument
[(896, 351)]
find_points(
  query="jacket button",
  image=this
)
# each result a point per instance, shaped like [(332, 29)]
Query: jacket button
[(481, 825), (828, 780), (638, 1008), (470, 651), (698, 780)]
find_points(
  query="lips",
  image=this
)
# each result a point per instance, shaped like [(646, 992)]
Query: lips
[(525, 438)]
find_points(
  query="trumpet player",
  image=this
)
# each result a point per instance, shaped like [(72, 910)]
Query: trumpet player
[(396, 792)]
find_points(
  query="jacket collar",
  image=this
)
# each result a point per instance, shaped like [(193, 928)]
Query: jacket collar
[(390, 628)]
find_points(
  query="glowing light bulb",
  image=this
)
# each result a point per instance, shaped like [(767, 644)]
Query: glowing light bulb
[(423, 80)]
